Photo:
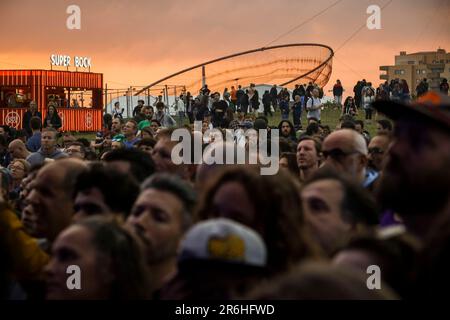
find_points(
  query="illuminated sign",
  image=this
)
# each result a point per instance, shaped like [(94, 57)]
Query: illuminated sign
[(65, 61)]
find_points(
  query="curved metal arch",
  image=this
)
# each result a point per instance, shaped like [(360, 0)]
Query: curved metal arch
[(249, 52)]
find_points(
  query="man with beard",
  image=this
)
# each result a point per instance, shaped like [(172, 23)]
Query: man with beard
[(116, 127), (416, 179), (160, 216), (308, 156), (287, 130), (346, 151)]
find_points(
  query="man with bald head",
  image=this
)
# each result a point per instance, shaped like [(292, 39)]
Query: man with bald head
[(52, 205), (346, 151), (18, 150), (51, 197)]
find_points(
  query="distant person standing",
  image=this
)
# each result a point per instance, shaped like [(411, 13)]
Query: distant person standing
[(368, 97), (180, 109), (245, 102), (284, 105), (404, 91), (253, 96), (357, 90), (138, 108), (205, 91), (233, 97), (337, 92), (239, 96), (226, 95), (313, 105), (162, 117), (189, 105), (32, 112), (267, 99), (422, 88), (117, 113), (274, 96), (309, 89), (297, 111), (443, 87)]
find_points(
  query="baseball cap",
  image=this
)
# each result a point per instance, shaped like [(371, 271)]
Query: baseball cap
[(223, 240), (432, 106), (143, 124), (119, 138)]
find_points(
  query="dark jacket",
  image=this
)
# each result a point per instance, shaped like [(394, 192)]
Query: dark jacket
[(266, 99), (255, 100), (338, 90), (244, 100), (26, 121), (273, 93), (55, 121), (239, 95)]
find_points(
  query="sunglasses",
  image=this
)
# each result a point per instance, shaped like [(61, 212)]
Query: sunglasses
[(376, 150), (337, 153)]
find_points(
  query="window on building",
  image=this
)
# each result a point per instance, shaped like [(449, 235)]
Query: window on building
[(424, 71), (399, 72)]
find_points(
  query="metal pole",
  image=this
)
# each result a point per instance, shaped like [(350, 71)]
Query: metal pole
[(166, 94), (148, 97), (203, 76), (128, 109), (106, 98)]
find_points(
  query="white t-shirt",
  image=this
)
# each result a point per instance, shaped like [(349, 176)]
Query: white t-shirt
[(315, 103)]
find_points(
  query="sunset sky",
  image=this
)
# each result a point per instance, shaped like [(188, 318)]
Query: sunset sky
[(136, 42)]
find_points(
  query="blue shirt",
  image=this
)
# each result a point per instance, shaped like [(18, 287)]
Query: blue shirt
[(130, 144), (34, 143)]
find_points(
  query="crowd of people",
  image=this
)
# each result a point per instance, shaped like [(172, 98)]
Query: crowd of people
[(139, 226)]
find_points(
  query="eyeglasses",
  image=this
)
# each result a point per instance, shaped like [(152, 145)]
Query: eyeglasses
[(376, 150), (337, 154), (10, 167)]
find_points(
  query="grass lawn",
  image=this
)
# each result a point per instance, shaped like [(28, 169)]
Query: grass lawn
[(329, 117)]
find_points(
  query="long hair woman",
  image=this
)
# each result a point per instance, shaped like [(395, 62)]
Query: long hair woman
[(52, 119)]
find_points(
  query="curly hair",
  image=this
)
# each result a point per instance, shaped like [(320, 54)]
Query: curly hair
[(277, 203)]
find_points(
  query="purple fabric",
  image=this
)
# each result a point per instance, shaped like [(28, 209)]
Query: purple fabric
[(388, 219)]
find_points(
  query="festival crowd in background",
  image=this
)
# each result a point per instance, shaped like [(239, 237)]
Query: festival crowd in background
[(139, 226)]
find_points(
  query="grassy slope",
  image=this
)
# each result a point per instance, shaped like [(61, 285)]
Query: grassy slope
[(329, 117)]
